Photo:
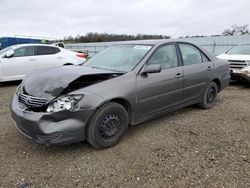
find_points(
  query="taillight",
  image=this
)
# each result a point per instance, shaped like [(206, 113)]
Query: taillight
[(81, 55)]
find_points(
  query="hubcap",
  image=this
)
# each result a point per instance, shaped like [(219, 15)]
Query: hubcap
[(110, 126), (211, 95)]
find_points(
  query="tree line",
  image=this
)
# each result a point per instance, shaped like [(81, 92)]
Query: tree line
[(105, 37)]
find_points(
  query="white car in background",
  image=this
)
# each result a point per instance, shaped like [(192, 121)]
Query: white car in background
[(239, 60), (18, 60)]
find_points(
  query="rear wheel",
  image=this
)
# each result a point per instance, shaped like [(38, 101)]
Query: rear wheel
[(108, 125), (209, 97)]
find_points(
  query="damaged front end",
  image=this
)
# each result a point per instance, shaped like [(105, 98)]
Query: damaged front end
[(241, 75), (52, 112), (59, 98)]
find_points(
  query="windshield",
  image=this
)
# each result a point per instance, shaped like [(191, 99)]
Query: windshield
[(241, 50), (5, 50), (122, 58)]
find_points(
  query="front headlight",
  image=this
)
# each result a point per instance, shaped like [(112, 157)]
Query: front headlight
[(64, 103)]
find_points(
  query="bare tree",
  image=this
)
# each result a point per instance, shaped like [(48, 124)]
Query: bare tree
[(236, 30)]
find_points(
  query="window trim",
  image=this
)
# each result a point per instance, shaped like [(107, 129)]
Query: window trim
[(201, 52), (160, 46), (36, 53)]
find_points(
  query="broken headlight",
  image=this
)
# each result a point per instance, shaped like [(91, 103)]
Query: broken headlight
[(64, 103)]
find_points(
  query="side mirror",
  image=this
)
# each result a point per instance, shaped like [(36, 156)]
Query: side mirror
[(9, 54), (152, 69)]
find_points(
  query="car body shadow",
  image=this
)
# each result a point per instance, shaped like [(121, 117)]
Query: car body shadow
[(133, 131), (244, 85), (10, 83)]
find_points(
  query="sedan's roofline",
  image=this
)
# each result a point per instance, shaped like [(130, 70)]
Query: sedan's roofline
[(31, 44), (150, 42)]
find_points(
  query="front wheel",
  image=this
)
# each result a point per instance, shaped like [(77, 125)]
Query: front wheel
[(108, 125), (209, 97)]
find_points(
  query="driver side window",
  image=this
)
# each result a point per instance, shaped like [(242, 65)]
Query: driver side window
[(165, 56), (24, 51)]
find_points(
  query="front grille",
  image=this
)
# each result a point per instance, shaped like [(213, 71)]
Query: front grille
[(32, 102), (237, 64)]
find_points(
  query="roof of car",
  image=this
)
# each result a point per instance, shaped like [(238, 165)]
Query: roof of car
[(150, 42), (31, 44)]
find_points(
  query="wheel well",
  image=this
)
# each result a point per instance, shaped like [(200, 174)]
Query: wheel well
[(125, 104), (217, 81), (67, 64)]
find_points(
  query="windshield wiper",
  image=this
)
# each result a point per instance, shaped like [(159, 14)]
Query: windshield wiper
[(109, 69)]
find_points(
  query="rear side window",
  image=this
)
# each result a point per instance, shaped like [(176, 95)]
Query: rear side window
[(47, 50), (190, 54), (24, 51)]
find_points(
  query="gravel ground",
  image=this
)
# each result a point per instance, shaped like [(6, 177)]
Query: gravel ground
[(187, 148)]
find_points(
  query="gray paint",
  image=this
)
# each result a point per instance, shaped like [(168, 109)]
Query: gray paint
[(144, 96)]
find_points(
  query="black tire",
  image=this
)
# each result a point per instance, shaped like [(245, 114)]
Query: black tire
[(107, 126), (209, 97)]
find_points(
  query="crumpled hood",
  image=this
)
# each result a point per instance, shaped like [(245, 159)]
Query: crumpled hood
[(49, 83)]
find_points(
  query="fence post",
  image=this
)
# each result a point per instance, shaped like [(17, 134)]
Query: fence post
[(214, 46)]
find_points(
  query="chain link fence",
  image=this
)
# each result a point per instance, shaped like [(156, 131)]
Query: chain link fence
[(215, 45)]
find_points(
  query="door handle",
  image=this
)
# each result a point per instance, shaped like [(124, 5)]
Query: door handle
[(31, 59), (178, 75), (209, 68)]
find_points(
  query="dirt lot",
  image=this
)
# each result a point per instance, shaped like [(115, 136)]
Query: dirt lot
[(187, 148)]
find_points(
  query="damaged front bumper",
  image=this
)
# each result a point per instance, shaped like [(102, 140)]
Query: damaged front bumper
[(63, 127), (240, 75)]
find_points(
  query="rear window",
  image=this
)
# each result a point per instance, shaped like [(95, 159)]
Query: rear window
[(190, 54), (47, 50)]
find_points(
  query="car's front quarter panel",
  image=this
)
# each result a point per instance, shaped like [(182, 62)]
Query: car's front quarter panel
[(90, 99), (122, 87)]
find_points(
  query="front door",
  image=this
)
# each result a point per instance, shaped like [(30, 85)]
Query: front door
[(157, 92), (21, 63)]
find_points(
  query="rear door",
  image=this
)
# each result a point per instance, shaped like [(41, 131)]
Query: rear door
[(157, 92), (48, 56), (198, 70), (20, 64)]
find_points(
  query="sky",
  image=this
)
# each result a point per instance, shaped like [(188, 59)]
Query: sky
[(56, 19)]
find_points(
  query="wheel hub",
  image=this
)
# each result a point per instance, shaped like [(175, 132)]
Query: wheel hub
[(211, 95), (110, 126)]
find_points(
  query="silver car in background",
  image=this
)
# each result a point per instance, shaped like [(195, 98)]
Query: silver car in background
[(239, 61), (19, 60)]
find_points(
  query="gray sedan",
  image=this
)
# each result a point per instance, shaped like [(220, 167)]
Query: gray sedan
[(123, 85)]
